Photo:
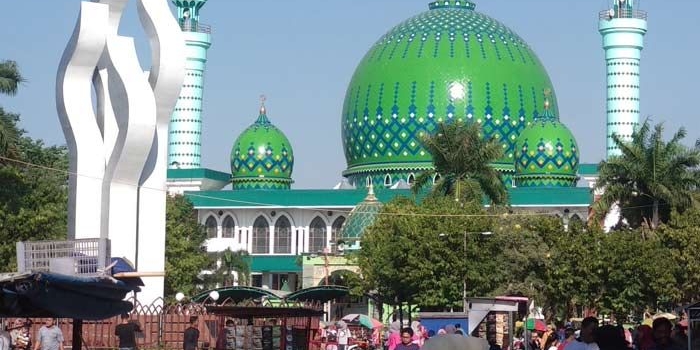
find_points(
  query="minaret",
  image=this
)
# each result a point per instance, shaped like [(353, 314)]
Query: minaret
[(623, 28), (185, 139)]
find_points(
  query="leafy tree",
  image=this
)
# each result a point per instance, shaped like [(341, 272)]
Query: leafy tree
[(681, 239), (33, 195), (10, 77), (462, 158), (649, 175), (424, 259), (226, 262), (184, 247)]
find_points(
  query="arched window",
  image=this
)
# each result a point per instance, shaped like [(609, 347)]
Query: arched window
[(283, 236), (436, 178), (261, 236), (228, 227), (317, 235), (335, 232), (368, 181), (212, 227), (387, 180), (411, 179)]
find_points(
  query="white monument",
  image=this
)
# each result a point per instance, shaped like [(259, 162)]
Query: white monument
[(118, 150)]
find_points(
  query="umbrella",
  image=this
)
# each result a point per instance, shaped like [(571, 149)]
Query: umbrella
[(536, 325), (363, 320), (667, 315), (455, 342)]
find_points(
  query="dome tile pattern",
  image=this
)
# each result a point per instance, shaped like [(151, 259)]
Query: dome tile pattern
[(360, 218), (547, 155), (262, 157), (449, 63)]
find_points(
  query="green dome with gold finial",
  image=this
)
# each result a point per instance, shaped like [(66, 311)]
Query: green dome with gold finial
[(445, 64), (262, 157), (360, 218), (546, 154)]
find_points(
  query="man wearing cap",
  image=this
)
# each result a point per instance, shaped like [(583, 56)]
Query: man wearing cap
[(569, 337)]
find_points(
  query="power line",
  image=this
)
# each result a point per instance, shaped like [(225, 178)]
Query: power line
[(262, 204)]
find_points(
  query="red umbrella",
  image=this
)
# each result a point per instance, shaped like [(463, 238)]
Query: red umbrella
[(536, 325)]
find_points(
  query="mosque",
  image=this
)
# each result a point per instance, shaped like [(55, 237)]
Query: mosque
[(449, 63)]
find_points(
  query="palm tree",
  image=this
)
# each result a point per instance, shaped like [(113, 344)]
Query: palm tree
[(228, 262), (10, 78), (649, 174), (461, 159)]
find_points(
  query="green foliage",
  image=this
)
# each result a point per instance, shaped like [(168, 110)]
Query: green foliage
[(651, 177), (422, 259), (10, 77), (423, 253), (223, 263), (33, 195), (462, 158), (185, 255)]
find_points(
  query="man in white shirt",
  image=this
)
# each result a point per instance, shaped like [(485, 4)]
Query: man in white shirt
[(587, 339)]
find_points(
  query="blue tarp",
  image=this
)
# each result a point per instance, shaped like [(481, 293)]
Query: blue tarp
[(44, 294)]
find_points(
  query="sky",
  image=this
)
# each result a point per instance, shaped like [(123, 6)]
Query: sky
[(301, 54)]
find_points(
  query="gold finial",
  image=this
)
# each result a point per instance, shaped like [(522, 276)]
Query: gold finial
[(370, 193), (263, 98), (547, 93)]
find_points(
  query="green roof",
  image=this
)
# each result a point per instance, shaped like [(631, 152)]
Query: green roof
[(588, 169), (199, 173), (550, 196), (520, 197), (274, 263), (287, 198)]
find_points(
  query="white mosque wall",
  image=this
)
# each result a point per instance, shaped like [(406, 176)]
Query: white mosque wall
[(305, 225)]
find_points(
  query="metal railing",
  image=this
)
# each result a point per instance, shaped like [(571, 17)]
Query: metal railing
[(623, 13), (80, 257), (195, 27)]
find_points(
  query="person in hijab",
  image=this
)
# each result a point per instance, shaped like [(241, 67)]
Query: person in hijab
[(394, 338), (343, 335), (645, 339), (418, 337), (441, 331), (609, 337)]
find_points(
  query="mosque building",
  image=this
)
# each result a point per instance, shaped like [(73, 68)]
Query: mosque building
[(449, 63)]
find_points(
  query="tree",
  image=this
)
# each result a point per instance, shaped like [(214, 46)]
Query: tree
[(650, 174), (225, 263), (185, 256), (10, 77), (422, 258), (33, 195), (462, 158)]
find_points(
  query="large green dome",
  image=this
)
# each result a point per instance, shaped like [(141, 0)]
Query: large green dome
[(449, 63), (262, 157), (547, 154)]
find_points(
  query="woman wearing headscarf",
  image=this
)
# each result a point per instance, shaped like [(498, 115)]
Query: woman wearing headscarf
[(394, 335), (418, 336)]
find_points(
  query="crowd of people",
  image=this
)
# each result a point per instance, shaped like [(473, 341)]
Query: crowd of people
[(661, 335)]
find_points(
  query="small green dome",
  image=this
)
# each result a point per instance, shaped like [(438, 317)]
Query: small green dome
[(546, 154), (448, 63), (262, 157), (360, 218)]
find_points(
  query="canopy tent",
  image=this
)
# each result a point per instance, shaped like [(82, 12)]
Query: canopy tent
[(44, 294), (320, 294), (238, 294)]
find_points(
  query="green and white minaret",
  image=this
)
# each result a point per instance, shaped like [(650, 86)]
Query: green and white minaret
[(185, 139), (623, 28)]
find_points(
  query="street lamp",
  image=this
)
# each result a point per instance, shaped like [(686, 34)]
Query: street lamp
[(464, 283)]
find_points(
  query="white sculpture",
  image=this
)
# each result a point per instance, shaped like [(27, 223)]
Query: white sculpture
[(118, 153)]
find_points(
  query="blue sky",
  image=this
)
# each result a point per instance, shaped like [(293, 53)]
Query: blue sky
[(302, 53)]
